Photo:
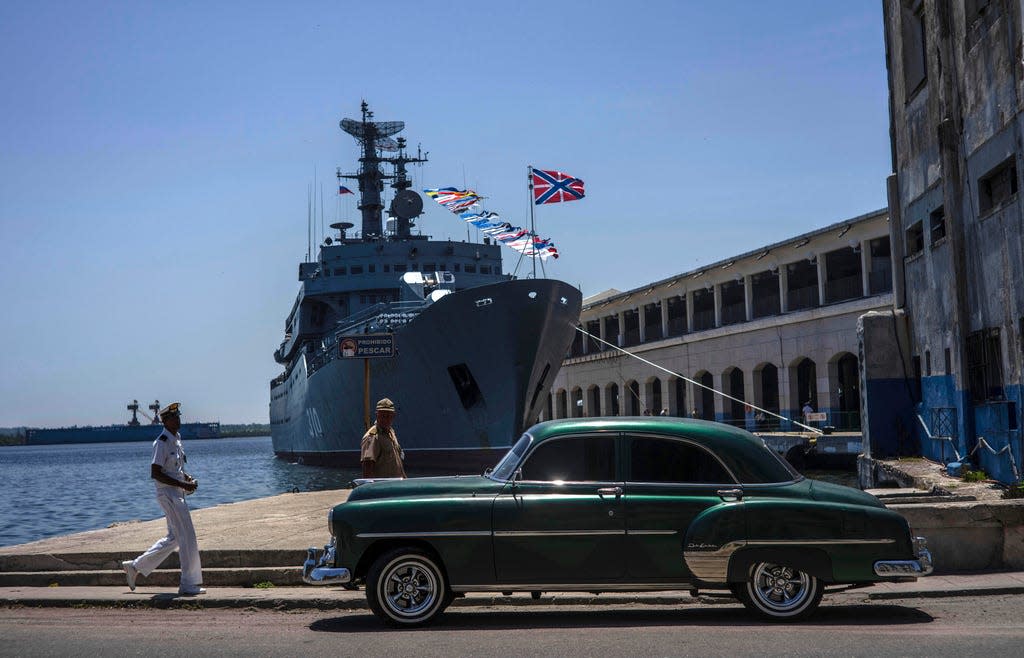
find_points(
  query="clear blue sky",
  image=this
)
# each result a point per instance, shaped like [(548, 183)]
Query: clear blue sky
[(155, 157)]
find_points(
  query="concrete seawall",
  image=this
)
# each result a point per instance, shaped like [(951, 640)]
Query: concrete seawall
[(264, 541), (970, 536)]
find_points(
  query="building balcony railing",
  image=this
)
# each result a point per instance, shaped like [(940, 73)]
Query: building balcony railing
[(734, 313), (880, 281), (848, 287), (801, 298), (652, 332), (766, 305), (676, 326), (845, 420), (703, 320), (631, 337)]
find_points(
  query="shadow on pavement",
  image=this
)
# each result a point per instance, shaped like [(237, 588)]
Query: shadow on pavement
[(467, 619)]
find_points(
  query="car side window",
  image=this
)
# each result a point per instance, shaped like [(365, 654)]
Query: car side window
[(573, 459), (666, 460)]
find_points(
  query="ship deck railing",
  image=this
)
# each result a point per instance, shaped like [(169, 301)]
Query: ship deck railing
[(362, 318), (387, 315)]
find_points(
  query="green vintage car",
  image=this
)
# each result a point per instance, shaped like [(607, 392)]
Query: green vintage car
[(615, 504)]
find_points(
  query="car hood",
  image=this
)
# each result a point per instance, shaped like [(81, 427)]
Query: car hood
[(835, 493), (428, 487)]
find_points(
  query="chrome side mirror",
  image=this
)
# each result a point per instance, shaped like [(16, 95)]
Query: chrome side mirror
[(517, 476)]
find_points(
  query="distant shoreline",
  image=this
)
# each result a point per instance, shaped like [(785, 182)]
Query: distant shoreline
[(226, 432)]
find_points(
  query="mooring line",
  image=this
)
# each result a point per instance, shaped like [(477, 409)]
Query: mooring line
[(694, 382)]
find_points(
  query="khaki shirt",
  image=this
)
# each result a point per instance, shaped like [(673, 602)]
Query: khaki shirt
[(384, 451)]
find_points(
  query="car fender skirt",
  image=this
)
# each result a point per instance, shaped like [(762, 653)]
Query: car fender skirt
[(813, 561)]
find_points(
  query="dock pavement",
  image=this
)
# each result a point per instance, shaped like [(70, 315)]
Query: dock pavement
[(252, 553)]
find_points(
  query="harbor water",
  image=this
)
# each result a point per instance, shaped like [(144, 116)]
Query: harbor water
[(60, 489)]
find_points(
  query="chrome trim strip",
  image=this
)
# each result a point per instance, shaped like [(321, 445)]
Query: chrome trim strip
[(453, 533), (688, 485), (651, 532), (556, 533), (713, 566), (816, 542), (575, 587)]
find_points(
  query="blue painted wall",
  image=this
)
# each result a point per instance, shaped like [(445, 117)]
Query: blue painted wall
[(1000, 425), (998, 422), (892, 426)]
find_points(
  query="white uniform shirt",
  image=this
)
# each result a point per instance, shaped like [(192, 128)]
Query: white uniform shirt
[(170, 457)]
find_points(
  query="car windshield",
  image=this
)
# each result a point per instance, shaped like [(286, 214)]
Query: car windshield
[(503, 471)]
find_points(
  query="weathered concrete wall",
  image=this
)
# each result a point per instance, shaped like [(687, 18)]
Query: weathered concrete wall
[(963, 122), (886, 386), (970, 536)]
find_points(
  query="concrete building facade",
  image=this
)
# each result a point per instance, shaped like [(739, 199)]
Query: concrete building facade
[(956, 84), (775, 327)]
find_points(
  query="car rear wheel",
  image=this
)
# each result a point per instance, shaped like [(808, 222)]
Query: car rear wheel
[(406, 587), (779, 593)]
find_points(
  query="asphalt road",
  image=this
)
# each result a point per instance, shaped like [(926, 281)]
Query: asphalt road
[(845, 626)]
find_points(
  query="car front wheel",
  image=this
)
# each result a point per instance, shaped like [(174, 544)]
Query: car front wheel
[(779, 593), (406, 587)]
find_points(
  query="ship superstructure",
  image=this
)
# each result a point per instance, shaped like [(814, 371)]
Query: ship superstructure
[(475, 349)]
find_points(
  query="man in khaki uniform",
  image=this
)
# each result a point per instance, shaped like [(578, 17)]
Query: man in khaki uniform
[(381, 455)]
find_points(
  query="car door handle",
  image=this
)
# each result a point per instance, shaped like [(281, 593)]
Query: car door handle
[(610, 491), (730, 494)]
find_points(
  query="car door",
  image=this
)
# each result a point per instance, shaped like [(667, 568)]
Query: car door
[(562, 521), (669, 482)]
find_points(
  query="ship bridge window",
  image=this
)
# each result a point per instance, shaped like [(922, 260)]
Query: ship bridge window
[(470, 268), (429, 267), (372, 268), (399, 267), (357, 269), (465, 385), (339, 271), (485, 269)]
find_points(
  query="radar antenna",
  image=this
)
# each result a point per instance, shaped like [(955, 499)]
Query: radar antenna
[(375, 137)]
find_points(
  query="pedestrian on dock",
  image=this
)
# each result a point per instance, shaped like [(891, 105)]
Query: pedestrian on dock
[(172, 485), (380, 452)]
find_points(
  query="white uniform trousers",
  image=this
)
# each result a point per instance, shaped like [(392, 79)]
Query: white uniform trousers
[(181, 535)]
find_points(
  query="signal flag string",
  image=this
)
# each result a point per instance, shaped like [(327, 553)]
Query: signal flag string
[(695, 383)]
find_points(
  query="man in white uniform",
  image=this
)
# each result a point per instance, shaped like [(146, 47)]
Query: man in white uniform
[(172, 485)]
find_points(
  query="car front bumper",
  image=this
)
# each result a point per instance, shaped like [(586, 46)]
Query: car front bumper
[(318, 568), (922, 566)]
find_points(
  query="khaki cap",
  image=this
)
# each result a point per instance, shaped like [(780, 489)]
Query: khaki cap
[(386, 404)]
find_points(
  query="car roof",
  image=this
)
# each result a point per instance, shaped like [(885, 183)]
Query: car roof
[(707, 432), (742, 452)]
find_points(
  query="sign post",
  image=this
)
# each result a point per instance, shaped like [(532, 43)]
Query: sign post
[(366, 347)]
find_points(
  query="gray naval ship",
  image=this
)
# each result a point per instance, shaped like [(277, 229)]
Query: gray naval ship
[(474, 349)]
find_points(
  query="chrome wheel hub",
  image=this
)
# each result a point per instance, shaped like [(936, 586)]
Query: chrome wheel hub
[(780, 588), (409, 588)]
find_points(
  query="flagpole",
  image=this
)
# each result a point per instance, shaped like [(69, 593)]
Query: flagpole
[(533, 228)]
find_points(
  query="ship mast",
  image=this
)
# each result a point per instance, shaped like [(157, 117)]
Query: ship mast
[(375, 137)]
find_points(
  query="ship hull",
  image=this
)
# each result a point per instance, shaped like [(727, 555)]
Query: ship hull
[(116, 433), (470, 373)]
